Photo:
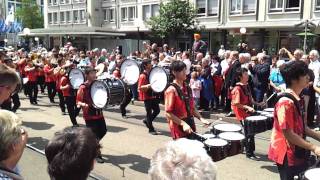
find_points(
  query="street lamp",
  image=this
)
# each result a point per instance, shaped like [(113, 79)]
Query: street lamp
[(137, 23), (243, 31), (5, 42), (306, 23), (37, 40)]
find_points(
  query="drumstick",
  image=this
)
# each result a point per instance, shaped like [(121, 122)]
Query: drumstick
[(213, 123), (271, 97), (153, 82)]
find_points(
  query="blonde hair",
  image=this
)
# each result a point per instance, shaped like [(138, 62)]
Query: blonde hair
[(10, 132), (182, 159)]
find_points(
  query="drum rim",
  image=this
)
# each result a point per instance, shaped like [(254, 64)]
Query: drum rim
[(73, 69), (108, 93), (243, 137), (264, 118), (209, 134), (266, 109), (221, 124), (216, 139), (166, 75), (137, 66), (310, 170)]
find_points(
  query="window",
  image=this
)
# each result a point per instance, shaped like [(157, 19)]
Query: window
[(68, 17), (235, 6), (75, 16), (155, 9), (131, 13), (242, 6), (55, 18), (146, 12), (124, 15), (62, 1), (62, 18), (317, 5), (213, 7), (105, 15), (82, 15), (201, 6), (284, 5), (50, 18), (112, 13), (55, 2), (50, 2), (249, 6)]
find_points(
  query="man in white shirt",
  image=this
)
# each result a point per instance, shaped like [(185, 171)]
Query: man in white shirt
[(315, 67), (226, 62), (186, 60)]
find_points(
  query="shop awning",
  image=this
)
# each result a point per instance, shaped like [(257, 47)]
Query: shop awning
[(72, 31)]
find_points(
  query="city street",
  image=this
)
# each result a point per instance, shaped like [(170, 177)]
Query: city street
[(127, 147)]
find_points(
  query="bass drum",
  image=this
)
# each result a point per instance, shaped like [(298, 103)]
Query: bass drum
[(130, 71), (159, 79), (108, 92), (76, 78)]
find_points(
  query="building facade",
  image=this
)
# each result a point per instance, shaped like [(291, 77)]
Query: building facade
[(269, 24)]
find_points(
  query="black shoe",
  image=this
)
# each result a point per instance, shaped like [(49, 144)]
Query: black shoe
[(230, 114), (52, 101), (99, 160), (64, 113), (153, 133), (35, 102), (145, 123), (253, 157)]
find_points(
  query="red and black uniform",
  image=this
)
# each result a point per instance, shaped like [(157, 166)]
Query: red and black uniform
[(60, 95), (93, 117), (151, 103), (69, 99), (41, 79), (31, 86), (50, 81), (241, 94)]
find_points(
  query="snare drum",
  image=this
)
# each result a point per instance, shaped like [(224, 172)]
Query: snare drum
[(216, 148), (107, 92), (269, 121), (269, 110), (159, 79), (225, 127), (76, 77), (312, 174), (208, 136), (255, 124), (235, 141), (130, 71)]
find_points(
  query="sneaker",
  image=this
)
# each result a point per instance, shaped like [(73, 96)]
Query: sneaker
[(153, 133), (99, 159), (253, 157), (124, 117), (35, 102)]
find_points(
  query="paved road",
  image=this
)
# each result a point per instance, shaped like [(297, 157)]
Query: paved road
[(127, 147)]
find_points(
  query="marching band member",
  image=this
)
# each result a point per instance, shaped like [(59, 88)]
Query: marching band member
[(179, 104), (32, 88), (151, 103), (289, 148), (69, 97), (241, 103), (93, 117), (50, 79), (58, 76)]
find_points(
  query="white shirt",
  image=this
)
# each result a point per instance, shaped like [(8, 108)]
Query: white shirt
[(188, 64), (224, 65), (315, 67)]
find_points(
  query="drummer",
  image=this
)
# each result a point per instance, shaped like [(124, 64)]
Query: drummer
[(289, 148), (93, 117), (241, 103), (180, 113)]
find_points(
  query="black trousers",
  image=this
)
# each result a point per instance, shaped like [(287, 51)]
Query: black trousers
[(51, 90), (98, 127), (289, 172), (61, 102), (152, 109), (16, 102), (126, 101), (72, 108), (248, 141), (32, 90), (41, 83)]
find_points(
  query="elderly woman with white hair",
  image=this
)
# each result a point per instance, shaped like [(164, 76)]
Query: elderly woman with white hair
[(182, 160), (13, 140)]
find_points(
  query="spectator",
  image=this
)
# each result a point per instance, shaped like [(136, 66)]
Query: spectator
[(181, 160), (195, 85), (71, 154), (13, 140), (186, 60), (9, 82)]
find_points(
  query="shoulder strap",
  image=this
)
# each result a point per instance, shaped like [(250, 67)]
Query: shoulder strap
[(184, 98)]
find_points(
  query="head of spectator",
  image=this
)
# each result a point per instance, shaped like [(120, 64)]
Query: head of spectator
[(154, 47), (13, 140), (199, 57), (112, 57), (95, 52), (254, 60), (194, 75), (165, 48), (234, 55), (182, 159), (262, 58), (9, 82), (161, 57), (227, 54), (104, 52), (242, 58), (185, 55), (154, 60), (215, 58), (295, 74), (196, 37), (274, 61), (313, 55), (305, 58), (71, 154), (298, 53), (205, 62)]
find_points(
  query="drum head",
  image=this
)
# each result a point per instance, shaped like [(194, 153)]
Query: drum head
[(232, 136), (99, 94), (76, 78), (270, 115), (227, 127), (158, 79), (312, 174), (130, 71), (265, 113), (269, 110), (256, 118), (209, 136), (215, 142)]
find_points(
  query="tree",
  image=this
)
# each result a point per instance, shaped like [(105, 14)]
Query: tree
[(29, 14), (174, 17)]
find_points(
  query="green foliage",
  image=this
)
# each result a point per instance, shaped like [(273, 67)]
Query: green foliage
[(174, 17), (29, 14)]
